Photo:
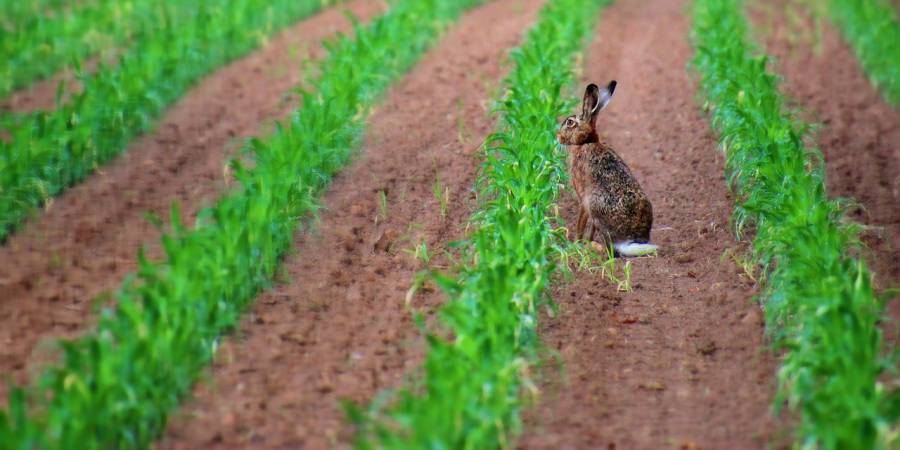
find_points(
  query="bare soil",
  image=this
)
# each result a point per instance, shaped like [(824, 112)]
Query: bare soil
[(339, 329), (680, 362), (86, 240)]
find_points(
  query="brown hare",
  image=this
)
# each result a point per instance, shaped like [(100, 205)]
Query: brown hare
[(612, 204)]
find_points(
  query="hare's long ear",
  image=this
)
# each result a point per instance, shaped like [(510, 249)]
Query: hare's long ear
[(596, 99), (589, 106), (605, 96)]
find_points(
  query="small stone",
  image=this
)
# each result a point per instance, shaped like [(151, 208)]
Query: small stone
[(326, 386), (652, 386), (684, 258), (294, 338), (707, 348), (753, 317), (385, 241), (358, 210), (629, 319)]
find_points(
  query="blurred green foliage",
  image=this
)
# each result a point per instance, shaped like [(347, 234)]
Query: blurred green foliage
[(40, 37), (873, 31)]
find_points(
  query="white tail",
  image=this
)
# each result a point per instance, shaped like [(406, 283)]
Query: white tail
[(631, 248)]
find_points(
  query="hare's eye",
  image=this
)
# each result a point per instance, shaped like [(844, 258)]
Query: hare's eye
[(570, 122)]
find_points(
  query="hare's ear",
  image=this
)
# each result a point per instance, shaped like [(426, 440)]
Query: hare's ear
[(605, 96), (596, 99), (591, 102)]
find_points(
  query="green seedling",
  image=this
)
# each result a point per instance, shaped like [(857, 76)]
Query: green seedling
[(608, 267), (461, 134), (442, 194), (420, 252), (55, 263), (37, 39), (741, 259), (624, 284), (588, 256)]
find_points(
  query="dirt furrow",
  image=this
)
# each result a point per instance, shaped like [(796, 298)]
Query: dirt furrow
[(680, 362), (339, 329), (87, 239)]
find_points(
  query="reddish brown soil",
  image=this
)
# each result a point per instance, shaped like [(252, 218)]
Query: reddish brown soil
[(680, 362), (860, 134), (87, 239), (339, 329)]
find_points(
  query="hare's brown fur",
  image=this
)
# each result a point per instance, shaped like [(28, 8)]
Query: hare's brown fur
[(612, 204)]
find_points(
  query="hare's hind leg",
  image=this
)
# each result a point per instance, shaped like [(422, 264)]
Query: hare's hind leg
[(598, 232), (593, 231), (582, 221)]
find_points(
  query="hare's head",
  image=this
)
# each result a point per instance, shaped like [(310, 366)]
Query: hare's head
[(579, 129)]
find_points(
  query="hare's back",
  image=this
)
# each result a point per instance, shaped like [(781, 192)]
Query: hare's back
[(617, 198), (609, 172)]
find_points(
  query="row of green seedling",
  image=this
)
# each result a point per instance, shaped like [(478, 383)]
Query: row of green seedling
[(56, 149), (116, 386), (873, 31), (26, 8), (819, 304), (19, 15), (40, 44), (475, 379)]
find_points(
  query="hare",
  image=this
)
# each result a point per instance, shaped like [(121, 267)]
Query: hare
[(612, 204)]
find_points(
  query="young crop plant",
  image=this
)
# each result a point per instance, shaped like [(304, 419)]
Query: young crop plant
[(39, 43), (873, 31), (61, 147), (819, 304), (116, 386), (441, 194), (19, 15), (475, 377)]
